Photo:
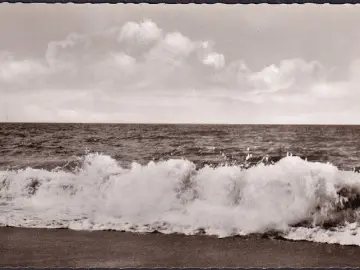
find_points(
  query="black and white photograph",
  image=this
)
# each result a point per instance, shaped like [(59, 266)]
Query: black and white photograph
[(137, 135)]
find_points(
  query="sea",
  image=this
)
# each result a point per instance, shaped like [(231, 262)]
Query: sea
[(295, 182)]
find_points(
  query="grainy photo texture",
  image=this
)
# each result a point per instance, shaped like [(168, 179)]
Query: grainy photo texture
[(179, 136)]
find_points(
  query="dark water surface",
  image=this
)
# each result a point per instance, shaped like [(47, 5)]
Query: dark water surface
[(51, 145)]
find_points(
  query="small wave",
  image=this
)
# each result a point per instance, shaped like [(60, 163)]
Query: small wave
[(293, 197)]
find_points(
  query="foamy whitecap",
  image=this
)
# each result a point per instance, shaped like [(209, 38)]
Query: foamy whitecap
[(298, 199)]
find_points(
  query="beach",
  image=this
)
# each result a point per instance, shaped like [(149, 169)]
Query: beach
[(69, 248)]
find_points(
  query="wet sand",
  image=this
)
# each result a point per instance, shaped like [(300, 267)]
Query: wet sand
[(67, 248)]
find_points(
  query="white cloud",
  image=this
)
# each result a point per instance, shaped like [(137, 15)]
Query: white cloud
[(289, 73), (143, 32), (139, 72), (18, 71), (13, 69), (215, 60), (117, 62), (55, 48), (174, 48), (330, 90), (123, 60), (177, 43)]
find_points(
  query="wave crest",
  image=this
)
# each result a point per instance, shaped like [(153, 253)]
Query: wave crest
[(173, 196)]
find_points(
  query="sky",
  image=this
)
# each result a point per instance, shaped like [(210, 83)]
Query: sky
[(230, 64)]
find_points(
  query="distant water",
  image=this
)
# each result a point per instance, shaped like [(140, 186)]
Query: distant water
[(187, 179), (50, 145)]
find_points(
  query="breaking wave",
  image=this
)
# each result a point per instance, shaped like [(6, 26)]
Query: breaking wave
[(293, 198)]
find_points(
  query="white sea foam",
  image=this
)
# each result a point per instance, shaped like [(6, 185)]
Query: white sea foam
[(174, 197), (344, 235)]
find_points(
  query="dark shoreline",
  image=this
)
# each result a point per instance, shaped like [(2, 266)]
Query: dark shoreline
[(68, 248)]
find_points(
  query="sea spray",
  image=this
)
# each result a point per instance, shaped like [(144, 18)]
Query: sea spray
[(296, 198)]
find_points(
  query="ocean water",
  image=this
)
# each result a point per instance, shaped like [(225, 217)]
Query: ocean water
[(297, 182)]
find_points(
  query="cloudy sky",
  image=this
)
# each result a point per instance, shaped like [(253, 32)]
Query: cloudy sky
[(295, 64)]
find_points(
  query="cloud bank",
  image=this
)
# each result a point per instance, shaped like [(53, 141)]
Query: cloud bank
[(138, 72)]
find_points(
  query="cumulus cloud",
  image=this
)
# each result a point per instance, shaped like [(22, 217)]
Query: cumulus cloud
[(115, 66), (59, 52), (139, 72), (158, 58), (20, 72), (143, 32), (12, 70), (172, 49), (289, 73), (215, 60)]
